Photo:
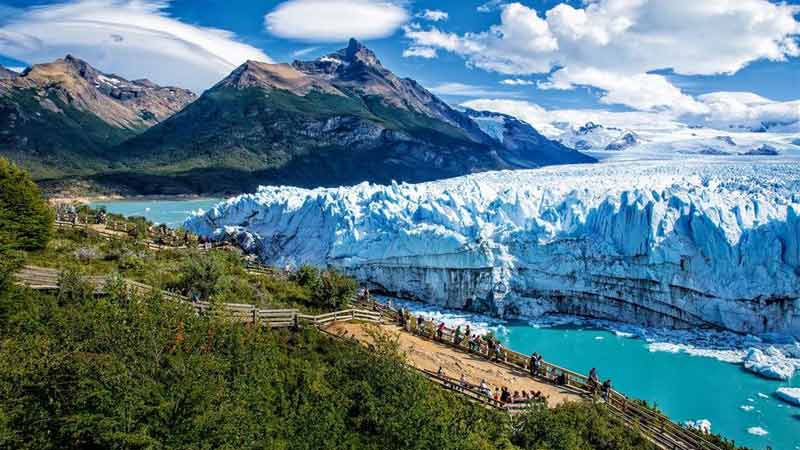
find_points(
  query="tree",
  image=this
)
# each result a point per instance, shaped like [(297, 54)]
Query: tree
[(25, 218)]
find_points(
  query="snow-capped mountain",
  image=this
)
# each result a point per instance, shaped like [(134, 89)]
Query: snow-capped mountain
[(594, 136), (712, 241)]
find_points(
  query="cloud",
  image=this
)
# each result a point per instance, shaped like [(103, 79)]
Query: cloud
[(553, 122), (468, 90), (420, 52), (614, 43), (133, 38), (434, 15), (516, 82), (335, 20), (745, 110), (304, 51), (729, 111), (491, 5)]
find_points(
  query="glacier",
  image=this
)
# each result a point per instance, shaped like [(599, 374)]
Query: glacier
[(706, 242)]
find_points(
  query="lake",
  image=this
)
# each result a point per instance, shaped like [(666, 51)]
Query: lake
[(169, 212)]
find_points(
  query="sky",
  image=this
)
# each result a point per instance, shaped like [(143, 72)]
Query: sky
[(709, 61)]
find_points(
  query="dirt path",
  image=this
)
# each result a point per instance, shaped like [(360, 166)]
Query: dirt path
[(429, 355)]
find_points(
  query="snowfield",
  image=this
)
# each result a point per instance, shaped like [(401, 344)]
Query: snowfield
[(707, 241)]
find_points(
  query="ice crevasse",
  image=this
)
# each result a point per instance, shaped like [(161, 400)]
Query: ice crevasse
[(682, 244)]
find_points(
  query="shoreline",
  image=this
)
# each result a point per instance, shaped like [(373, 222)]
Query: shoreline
[(87, 199)]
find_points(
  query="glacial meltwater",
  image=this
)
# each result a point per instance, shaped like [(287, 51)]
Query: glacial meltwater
[(169, 212), (740, 405)]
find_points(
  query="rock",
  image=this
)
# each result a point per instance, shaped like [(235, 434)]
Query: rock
[(789, 395), (764, 150), (770, 363)]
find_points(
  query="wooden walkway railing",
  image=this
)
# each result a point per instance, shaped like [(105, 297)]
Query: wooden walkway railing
[(657, 427), (41, 278)]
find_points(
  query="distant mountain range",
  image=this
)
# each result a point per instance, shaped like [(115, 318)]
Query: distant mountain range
[(337, 120)]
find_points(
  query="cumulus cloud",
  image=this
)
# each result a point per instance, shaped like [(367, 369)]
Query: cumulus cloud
[(420, 52), (745, 110), (516, 82), (335, 20), (434, 15), (615, 45), (133, 38)]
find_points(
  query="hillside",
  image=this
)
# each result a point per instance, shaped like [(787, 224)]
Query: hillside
[(59, 118)]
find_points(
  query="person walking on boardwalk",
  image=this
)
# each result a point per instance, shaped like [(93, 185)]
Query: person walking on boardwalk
[(606, 389), (594, 381)]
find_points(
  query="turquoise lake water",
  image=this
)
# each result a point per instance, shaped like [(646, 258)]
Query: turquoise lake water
[(685, 387), (169, 212)]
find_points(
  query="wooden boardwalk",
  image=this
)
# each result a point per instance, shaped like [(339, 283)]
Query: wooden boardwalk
[(568, 385)]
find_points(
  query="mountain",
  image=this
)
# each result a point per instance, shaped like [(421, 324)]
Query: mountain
[(594, 136), (340, 119), (60, 118)]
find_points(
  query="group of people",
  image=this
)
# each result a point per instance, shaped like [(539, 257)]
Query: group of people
[(595, 385), (501, 395)]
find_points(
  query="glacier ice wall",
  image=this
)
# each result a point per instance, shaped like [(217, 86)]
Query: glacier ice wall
[(683, 244)]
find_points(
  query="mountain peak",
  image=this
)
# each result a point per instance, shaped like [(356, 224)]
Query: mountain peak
[(356, 51)]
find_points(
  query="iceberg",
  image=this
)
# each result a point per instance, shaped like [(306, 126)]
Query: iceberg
[(757, 431), (769, 363), (707, 243), (789, 395)]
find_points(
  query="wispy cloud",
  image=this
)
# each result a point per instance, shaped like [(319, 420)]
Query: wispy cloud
[(516, 82), (456, 89), (434, 15), (134, 38), (304, 51), (335, 20), (420, 52)]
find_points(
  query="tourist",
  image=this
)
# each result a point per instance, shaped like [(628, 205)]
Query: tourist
[(440, 372), (440, 331), (497, 394), (467, 332), (606, 390), (594, 381), (457, 336), (505, 395), (537, 364), (484, 388), (525, 397), (462, 382), (498, 352), (516, 397)]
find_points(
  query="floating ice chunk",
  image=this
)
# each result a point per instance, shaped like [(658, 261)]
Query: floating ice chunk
[(757, 431), (703, 425), (598, 338), (762, 395), (746, 408), (789, 395), (769, 363)]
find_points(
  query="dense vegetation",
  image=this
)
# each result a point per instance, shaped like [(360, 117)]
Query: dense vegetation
[(123, 371)]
